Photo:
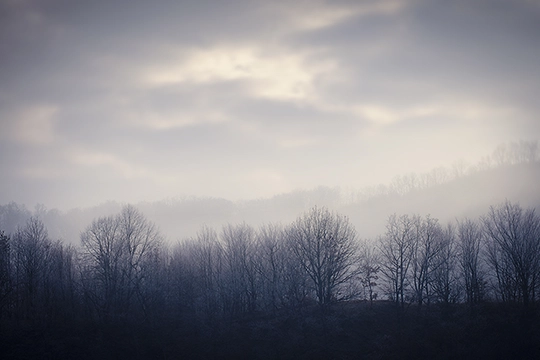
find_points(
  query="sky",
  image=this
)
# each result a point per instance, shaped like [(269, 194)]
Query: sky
[(145, 100)]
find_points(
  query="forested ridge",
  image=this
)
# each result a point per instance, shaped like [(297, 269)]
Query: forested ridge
[(309, 289), (269, 179), (314, 287), (511, 171)]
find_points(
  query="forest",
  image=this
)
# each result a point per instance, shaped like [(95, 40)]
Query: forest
[(309, 179), (315, 287), (308, 289)]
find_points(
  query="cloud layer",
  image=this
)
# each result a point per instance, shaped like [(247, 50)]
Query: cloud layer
[(135, 101)]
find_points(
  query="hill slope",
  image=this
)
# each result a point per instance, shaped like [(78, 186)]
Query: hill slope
[(469, 195)]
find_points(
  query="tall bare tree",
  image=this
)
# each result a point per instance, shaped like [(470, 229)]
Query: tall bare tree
[(102, 250), (427, 247), (197, 274), (239, 252), (31, 248), (283, 283), (325, 247), (141, 241), (370, 265), (117, 253), (208, 259), (514, 250), (445, 277), (6, 285), (470, 239), (272, 264), (397, 248)]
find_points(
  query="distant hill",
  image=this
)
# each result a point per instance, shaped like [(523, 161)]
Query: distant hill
[(470, 195), (467, 195)]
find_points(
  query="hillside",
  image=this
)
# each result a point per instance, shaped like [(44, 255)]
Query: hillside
[(469, 195)]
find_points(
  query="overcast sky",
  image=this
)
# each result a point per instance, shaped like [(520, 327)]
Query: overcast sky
[(144, 100)]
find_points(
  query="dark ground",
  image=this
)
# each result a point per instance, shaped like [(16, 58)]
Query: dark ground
[(353, 330)]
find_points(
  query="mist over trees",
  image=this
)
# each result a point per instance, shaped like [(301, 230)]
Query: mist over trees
[(319, 257), (324, 245), (514, 251), (312, 287), (123, 274), (117, 257), (466, 190)]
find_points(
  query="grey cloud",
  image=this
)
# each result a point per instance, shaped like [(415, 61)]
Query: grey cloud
[(431, 70)]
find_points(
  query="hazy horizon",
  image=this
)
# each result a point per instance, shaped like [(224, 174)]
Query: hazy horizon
[(106, 100), (398, 184)]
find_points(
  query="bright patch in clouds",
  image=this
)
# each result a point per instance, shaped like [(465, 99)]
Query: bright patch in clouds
[(278, 75), (254, 98), (315, 15)]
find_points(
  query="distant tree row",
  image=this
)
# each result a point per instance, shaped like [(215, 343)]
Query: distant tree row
[(123, 270), (495, 258), (513, 153)]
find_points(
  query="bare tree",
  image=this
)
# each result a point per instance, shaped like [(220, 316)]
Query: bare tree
[(208, 257), (197, 276), (59, 298), (102, 253), (151, 291), (240, 266), (514, 250), (272, 264), (470, 238), (283, 283), (31, 248), (325, 247), (41, 274), (117, 253), (502, 279), (141, 241), (369, 261), (427, 246), (397, 248), (6, 285), (445, 280), (183, 291)]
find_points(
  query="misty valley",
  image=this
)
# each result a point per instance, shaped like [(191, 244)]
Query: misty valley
[(269, 179), (464, 284)]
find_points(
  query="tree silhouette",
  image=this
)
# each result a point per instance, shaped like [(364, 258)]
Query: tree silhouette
[(325, 247)]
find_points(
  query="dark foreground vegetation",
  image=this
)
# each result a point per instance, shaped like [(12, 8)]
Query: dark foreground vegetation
[(351, 330), (310, 289)]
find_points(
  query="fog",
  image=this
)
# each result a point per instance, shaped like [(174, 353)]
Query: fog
[(306, 179), (247, 100), (434, 259), (448, 193)]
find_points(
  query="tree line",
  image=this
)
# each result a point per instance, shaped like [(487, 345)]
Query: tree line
[(124, 271), (505, 154)]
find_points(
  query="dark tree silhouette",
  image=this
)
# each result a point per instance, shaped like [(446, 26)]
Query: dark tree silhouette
[(470, 240), (325, 247), (117, 254), (6, 286), (369, 269), (397, 248), (514, 251), (32, 249)]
